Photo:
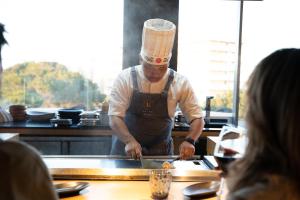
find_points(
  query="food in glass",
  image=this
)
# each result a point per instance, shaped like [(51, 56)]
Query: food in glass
[(160, 182)]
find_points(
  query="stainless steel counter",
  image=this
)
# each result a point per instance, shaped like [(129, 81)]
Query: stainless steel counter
[(121, 168)]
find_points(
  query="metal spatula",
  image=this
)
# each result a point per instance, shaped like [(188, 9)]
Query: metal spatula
[(150, 163), (154, 164)]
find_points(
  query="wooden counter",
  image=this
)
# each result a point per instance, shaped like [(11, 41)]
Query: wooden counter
[(127, 190)]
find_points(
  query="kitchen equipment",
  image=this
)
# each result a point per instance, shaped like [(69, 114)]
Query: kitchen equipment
[(73, 114), (18, 112), (39, 116), (154, 163), (151, 163), (56, 122), (177, 158), (104, 118), (89, 118), (123, 168), (89, 115), (5, 116), (89, 122)]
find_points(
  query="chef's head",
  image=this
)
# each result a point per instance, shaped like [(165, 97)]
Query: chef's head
[(157, 44)]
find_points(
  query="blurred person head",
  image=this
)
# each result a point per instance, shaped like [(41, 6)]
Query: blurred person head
[(273, 122), (23, 173)]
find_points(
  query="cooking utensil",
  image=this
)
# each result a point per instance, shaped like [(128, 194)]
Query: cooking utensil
[(177, 158), (150, 163), (154, 163)]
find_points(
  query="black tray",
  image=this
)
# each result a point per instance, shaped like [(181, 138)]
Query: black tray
[(70, 188), (202, 190)]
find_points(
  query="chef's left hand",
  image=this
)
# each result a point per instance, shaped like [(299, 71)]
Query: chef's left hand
[(187, 150)]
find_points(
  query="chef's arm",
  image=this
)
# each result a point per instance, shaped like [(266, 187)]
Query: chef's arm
[(132, 147), (187, 148), (119, 128), (196, 127)]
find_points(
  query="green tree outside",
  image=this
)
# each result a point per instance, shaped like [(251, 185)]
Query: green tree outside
[(48, 84), (223, 102)]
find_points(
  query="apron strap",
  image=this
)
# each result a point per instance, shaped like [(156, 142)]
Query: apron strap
[(170, 79), (134, 79)]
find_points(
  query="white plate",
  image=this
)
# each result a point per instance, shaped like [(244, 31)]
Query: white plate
[(40, 116)]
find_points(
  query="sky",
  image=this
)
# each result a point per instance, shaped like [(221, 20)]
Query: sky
[(84, 35)]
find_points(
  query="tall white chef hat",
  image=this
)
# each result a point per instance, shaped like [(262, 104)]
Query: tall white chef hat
[(157, 41)]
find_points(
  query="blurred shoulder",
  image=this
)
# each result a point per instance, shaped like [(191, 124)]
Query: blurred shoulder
[(274, 187), (17, 149)]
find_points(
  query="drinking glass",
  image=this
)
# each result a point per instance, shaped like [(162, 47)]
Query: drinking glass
[(230, 146), (160, 182)]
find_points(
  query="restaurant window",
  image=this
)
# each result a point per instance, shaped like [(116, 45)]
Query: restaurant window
[(267, 26), (61, 53), (208, 52)]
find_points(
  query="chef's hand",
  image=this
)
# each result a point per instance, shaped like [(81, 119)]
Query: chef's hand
[(186, 150), (133, 149)]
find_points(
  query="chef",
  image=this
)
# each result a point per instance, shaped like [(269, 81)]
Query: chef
[(144, 99)]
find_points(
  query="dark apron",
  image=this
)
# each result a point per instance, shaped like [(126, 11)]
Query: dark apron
[(148, 120)]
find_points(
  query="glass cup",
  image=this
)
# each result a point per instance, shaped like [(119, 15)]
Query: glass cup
[(160, 182), (230, 146)]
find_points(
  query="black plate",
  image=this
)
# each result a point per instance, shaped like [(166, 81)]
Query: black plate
[(203, 189), (70, 188)]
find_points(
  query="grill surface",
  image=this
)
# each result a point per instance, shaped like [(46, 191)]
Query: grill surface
[(122, 168)]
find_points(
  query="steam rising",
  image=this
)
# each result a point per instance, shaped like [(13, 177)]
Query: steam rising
[(136, 12)]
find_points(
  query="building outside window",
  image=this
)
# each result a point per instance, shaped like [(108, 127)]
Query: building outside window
[(208, 39), (208, 50)]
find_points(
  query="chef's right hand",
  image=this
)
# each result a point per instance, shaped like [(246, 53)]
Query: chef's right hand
[(133, 149)]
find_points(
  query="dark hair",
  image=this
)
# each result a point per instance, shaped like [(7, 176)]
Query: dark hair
[(273, 122)]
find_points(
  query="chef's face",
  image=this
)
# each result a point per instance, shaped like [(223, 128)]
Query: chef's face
[(154, 72)]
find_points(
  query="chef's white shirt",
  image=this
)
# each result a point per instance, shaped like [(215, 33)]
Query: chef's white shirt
[(180, 93)]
